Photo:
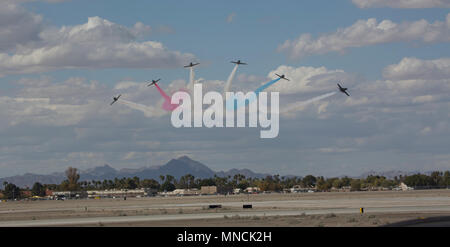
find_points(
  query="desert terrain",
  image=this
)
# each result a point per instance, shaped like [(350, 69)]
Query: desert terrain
[(296, 209)]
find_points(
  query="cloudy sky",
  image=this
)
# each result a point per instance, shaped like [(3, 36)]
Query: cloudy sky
[(62, 61)]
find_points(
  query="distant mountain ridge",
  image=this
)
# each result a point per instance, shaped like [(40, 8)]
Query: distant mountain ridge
[(175, 167)]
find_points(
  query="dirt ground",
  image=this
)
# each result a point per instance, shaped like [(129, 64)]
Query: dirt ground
[(327, 220), (232, 206)]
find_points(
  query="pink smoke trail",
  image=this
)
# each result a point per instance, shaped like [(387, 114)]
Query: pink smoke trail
[(166, 105)]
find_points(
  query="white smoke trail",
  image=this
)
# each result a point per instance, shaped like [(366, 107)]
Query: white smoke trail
[(302, 104), (230, 79), (147, 110), (190, 86)]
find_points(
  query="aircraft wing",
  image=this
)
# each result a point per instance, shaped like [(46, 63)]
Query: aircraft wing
[(346, 93)]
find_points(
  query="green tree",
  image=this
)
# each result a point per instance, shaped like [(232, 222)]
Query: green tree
[(38, 189), (72, 179), (446, 179), (337, 183), (11, 191), (130, 184), (322, 184), (436, 178), (167, 186), (150, 183), (355, 185), (309, 181)]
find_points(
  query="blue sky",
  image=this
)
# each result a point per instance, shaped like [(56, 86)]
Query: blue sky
[(396, 70), (200, 27)]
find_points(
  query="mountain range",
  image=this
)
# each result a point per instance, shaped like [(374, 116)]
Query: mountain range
[(175, 167)]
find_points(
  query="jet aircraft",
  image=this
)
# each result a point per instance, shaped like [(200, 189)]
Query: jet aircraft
[(115, 99), (153, 82), (282, 77), (191, 65), (343, 89), (239, 62)]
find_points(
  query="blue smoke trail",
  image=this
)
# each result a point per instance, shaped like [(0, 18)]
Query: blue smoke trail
[(260, 89), (230, 104)]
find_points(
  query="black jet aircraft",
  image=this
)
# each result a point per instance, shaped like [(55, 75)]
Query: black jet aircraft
[(282, 77), (153, 82), (343, 89), (191, 65), (115, 99), (238, 62)]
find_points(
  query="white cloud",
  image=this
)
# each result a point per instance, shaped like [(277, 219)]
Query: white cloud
[(73, 101), (408, 4), (413, 68), (410, 83), (98, 43), (18, 26), (307, 79), (366, 33)]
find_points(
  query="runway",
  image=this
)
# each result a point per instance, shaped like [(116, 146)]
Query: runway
[(268, 213), (194, 208)]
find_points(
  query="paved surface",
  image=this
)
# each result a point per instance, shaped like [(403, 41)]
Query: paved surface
[(84, 212), (122, 219), (427, 222)]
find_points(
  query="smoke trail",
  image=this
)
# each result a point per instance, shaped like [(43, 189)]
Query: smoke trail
[(260, 89), (230, 104), (148, 111), (190, 86), (301, 104), (163, 94), (230, 79), (167, 105)]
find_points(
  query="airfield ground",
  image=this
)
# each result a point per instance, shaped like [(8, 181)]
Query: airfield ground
[(299, 209)]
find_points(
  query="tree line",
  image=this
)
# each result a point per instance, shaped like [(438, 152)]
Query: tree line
[(274, 183)]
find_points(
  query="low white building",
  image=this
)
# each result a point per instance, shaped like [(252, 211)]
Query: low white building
[(182, 192), (252, 190), (116, 193), (405, 187)]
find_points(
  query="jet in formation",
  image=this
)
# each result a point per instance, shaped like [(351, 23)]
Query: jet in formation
[(238, 62), (282, 77), (115, 99), (191, 65), (153, 82), (343, 89)]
